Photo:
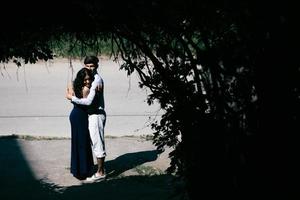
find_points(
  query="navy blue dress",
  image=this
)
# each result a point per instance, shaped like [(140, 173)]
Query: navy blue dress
[(81, 152)]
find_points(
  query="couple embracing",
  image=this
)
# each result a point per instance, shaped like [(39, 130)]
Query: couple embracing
[(87, 120)]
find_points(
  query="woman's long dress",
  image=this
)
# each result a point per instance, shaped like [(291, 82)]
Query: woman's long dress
[(81, 153)]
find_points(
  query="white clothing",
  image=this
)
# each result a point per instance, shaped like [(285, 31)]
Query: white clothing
[(89, 99), (96, 128), (96, 121)]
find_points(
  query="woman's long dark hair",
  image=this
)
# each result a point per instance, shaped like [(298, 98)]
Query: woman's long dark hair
[(79, 81)]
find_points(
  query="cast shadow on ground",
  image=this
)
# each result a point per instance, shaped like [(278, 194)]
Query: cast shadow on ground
[(136, 187), (158, 187), (19, 182), (129, 161)]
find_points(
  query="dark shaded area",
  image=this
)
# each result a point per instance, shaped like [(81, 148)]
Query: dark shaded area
[(131, 188), (17, 181), (128, 161), (239, 136)]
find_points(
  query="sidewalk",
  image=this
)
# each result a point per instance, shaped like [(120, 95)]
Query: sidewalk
[(33, 100), (34, 168)]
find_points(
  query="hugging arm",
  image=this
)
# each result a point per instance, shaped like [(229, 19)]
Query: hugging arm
[(88, 100)]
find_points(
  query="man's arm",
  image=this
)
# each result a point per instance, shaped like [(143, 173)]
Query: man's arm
[(88, 100)]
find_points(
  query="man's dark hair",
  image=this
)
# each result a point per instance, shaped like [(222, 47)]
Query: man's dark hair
[(91, 60)]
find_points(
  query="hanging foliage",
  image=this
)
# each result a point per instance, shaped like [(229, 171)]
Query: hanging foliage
[(216, 69)]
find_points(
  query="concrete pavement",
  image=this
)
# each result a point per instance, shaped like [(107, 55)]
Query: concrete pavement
[(33, 100), (39, 168)]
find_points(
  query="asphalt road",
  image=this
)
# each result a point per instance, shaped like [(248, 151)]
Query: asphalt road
[(33, 100)]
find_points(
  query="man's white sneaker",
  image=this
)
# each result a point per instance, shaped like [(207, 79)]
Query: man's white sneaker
[(95, 177)]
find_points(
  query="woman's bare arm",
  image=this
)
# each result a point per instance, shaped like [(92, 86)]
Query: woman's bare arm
[(85, 91)]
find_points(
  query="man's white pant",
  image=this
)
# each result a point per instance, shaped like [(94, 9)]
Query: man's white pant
[(96, 129)]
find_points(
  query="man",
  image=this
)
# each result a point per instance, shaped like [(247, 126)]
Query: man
[(97, 116)]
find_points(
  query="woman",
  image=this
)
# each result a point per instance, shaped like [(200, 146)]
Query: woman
[(81, 153)]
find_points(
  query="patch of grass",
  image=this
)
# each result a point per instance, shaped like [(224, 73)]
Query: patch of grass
[(110, 136), (148, 170), (30, 137), (147, 137)]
